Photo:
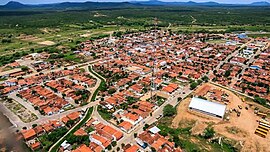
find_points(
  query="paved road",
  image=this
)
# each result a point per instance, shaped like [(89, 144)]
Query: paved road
[(251, 60), (93, 89), (129, 137), (231, 89), (14, 119), (94, 114), (173, 100), (51, 148), (25, 104), (231, 55)]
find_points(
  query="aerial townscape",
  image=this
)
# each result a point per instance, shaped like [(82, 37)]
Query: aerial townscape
[(138, 76)]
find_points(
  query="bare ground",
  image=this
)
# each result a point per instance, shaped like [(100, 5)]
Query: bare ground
[(47, 43), (237, 128)]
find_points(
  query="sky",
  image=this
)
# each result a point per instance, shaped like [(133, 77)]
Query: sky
[(2, 2)]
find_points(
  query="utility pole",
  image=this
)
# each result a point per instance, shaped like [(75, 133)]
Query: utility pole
[(153, 56)]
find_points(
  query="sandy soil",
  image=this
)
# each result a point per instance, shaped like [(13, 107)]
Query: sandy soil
[(85, 35), (238, 128), (47, 43), (99, 15), (49, 30), (29, 38)]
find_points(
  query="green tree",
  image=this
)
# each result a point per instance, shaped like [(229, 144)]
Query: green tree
[(70, 123), (193, 85), (114, 143), (227, 73), (209, 132), (205, 79), (169, 110), (24, 68), (146, 126), (259, 100), (153, 149), (109, 147), (111, 91)]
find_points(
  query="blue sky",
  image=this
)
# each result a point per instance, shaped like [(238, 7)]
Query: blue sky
[(56, 1)]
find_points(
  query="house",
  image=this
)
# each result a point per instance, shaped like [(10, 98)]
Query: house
[(74, 116), (132, 118), (170, 88), (65, 146), (125, 126), (155, 140), (110, 132), (35, 146), (103, 142), (80, 132), (133, 148), (83, 148), (95, 147), (48, 111), (47, 127), (28, 134), (39, 130)]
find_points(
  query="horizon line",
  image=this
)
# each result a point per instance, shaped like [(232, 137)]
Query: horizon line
[(104, 1)]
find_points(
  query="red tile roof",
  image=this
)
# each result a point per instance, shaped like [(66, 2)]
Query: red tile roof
[(28, 134)]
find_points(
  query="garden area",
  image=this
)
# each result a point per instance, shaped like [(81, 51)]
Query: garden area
[(47, 140)]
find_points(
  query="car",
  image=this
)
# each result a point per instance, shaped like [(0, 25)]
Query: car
[(238, 114), (240, 107), (158, 117)]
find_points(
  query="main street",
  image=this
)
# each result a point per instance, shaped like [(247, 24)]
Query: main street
[(251, 60), (172, 100), (232, 55)]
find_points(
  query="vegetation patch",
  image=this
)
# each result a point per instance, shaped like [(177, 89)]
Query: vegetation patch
[(71, 132), (104, 113)]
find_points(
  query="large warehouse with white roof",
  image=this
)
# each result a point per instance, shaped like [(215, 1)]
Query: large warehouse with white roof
[(207, 107)]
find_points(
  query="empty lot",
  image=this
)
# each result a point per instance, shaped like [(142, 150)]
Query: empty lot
[(237, 128)]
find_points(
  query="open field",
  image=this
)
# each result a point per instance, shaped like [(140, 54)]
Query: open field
[(24, 114), (25, 30), (237, 128)]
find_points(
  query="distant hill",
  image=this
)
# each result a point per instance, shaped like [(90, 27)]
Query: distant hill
[(13, 5), (69, 5), (189, 3), (192, 3), (263, 3)]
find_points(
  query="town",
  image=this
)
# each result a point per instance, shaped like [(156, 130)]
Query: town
[(130, 83)]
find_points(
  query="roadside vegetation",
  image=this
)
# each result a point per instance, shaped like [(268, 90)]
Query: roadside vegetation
[(47, 140), (102, 86), (71, 132)]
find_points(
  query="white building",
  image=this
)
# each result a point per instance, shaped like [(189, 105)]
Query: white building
[(207, 107)]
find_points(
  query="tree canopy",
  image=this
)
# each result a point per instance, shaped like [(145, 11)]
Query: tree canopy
[(169, 110)]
